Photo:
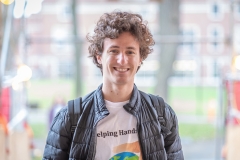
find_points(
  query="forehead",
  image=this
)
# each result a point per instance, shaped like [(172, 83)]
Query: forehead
[(125, 39)]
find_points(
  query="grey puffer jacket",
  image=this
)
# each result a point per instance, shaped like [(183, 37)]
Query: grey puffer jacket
[(154, 145)]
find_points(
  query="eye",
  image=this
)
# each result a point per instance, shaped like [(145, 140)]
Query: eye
[(130, 52), (113, 51)]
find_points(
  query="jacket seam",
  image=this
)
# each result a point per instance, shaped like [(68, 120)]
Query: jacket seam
[(152, 137), (162, 150), (78, 143), (171, 153), (150, 120), (84, 127), (53, 146)]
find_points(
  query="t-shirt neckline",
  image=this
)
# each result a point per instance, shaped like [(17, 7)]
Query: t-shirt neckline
[(115, 104)]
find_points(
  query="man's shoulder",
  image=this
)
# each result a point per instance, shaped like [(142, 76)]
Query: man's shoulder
[(168, 109), (88, 96)]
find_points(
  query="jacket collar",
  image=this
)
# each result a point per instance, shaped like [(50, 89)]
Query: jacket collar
[(100, 107), (133, 105), (135, 101)]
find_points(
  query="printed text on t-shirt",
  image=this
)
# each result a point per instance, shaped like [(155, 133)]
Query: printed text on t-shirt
[(115, 133)]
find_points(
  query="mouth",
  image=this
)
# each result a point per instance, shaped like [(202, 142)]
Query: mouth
[(121, 69)]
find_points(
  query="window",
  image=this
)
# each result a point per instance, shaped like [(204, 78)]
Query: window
[(61, 44), (216, 39), (215, 35), (64, 13), (188, 45), (184, 68), (216, 11)]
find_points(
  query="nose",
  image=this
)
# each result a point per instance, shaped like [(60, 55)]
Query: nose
[(122, 58)]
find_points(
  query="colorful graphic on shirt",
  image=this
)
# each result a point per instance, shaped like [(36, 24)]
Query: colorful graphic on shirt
[(128, 148), (125, 156)]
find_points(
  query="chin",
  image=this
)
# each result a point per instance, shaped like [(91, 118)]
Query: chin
[(122, 82)]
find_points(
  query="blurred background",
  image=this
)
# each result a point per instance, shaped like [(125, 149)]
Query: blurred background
[(195, 66)]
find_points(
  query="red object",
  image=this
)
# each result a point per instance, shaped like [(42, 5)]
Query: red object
[(236, 93), (5, 103), (233, 88)]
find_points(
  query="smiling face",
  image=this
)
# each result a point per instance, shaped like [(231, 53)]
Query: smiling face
[(120, 60)]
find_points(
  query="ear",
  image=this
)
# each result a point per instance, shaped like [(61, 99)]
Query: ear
[(140, 63), (99, 59)]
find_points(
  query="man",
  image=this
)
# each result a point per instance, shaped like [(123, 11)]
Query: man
[(117, 121)]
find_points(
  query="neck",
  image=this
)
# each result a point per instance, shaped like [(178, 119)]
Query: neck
[(117, 93)]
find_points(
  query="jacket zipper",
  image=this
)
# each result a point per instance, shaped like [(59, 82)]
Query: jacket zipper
[(140, 143), (95, 137)]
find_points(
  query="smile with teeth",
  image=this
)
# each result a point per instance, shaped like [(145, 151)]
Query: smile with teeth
[(121, 69)]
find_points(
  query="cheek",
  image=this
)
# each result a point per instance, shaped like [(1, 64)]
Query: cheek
[(138, 62), (110, 60)]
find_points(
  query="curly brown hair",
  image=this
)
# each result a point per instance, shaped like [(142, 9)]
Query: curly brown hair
[(111, 25)]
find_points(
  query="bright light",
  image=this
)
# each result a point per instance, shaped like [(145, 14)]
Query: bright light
[(17, 84), (24, 72), (237, 62), (185, 65), (7, 2), (150, 65)]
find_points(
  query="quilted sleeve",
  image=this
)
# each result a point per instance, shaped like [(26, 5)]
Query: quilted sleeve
[(59, 138), (172, 141)]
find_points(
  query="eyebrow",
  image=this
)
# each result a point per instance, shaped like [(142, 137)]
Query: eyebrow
[(113, 46)]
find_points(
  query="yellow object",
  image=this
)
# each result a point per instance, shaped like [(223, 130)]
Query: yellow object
[(7, 2), (237, 62), (3, 124)]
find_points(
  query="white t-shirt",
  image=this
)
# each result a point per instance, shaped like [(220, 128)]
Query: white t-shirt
[(117, 136)]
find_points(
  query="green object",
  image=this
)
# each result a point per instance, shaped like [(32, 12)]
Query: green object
[(197, 131), (125, 156)]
